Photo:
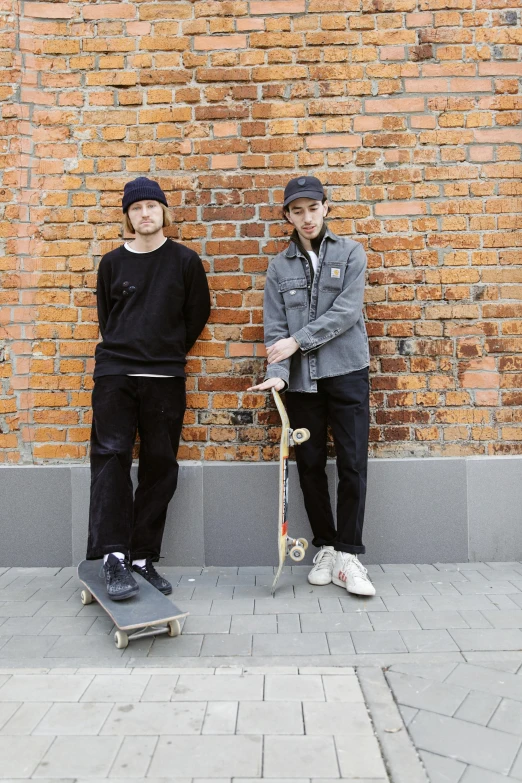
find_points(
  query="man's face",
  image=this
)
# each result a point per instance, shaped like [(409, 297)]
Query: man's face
[(307, 216), (146, 217)]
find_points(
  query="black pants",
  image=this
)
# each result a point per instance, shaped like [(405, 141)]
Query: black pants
[(342, 402), (123, 405)]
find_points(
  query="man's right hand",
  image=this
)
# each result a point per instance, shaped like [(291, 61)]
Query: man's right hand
[(270, 383)]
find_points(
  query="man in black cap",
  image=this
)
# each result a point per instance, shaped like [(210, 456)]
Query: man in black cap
[(153, 302), (318, 351)]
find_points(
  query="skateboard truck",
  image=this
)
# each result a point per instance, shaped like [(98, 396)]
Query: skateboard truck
[(294, 548)]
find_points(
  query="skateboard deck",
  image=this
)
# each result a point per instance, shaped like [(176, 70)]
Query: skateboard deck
[(148, 613), (286, 544)]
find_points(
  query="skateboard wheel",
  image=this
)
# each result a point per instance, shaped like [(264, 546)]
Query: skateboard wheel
[(174, 628), (86, 597), (297, 553), (303, 542), (121, 640), (300, 435)]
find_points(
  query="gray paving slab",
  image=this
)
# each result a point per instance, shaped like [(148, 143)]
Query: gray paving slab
[(87, 646), (466, 742), (203, 687), (210, 624), (208, 756), (486, 588), (18, 647), (26, 718), (408, 603), (499, 683), (133, 758), (78, 756), (184, 647), (477, 775), (340, 643), (313, 756), (327, 718), (160, 687), (443, 603), (486, 639), (67, 626), (21, 755), (19, 609), (294, 606), (336, 623), (259, 623), (221, 717), (290, 644), (474, 618), (228, 644), (21, 626), (433, 620), (497, 619), (232, 607), (394, 621), (271, 717), (479, 707), (344, 689), (429, 641), (426, 694), (441, 769), (80, 718), (359, 756), (288, 623), (378, 642), (290, 687), (153, 719), (115, 688), (45, 687), (508, 716)]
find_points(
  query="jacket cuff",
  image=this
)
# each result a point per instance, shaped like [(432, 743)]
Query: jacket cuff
[(278, 371), (305, 340)]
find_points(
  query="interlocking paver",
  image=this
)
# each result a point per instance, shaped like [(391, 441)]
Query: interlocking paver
[(288, 623), (433, 620), (207, 756), (67, 626), (394, 621), (295, 606), (508, 716), (464, 741), (496, 682), (20, 626), (154, 719), (232, 607), (270, 717), (258, 623), (18, 647), (487, 588), (18, 609), (185, 647), (500, 618), (341, 689), (160, 687), (340, 643), (87, 646), (407, 603), (303, 756)]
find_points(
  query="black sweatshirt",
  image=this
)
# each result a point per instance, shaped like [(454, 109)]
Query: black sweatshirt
[(151, 309)]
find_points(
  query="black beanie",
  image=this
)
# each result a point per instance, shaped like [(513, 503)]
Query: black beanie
[(140, 189)]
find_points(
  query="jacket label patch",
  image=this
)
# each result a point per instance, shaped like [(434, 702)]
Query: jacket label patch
[(335, 272)]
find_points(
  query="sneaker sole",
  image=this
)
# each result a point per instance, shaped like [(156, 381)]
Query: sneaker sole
[(128, 594)]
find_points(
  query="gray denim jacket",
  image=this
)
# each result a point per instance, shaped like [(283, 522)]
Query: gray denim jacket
[(325, 317)]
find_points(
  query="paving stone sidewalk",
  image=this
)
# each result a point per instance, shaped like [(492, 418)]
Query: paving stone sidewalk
[(443, 642)]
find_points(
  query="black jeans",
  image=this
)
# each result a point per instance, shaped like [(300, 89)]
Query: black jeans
[(123, 405), (342, 402)]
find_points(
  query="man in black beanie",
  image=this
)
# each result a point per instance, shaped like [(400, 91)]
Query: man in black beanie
[(153, 302)]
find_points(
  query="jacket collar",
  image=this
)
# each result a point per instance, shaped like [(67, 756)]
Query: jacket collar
[(293, 250)]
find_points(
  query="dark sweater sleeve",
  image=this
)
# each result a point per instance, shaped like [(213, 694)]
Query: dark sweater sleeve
[(103, 294), (196, 309)]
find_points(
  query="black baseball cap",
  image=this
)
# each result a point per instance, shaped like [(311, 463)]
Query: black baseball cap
[(303, 187)]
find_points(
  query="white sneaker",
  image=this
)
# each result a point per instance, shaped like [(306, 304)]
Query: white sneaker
[(321, 573), (349, 572)]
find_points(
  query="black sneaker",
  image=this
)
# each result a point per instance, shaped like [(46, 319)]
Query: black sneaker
[(119, 580), (149, 573)]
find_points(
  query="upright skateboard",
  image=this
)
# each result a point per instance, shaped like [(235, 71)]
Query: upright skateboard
[(293, 547), (148, 613)]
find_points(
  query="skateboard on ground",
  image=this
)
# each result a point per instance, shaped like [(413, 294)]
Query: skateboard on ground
[(294, 547), (148, 613)]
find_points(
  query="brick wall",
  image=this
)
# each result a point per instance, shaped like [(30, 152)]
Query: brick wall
[(410, 113)]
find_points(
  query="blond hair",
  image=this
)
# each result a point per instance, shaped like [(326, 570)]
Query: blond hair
[(127, 225)]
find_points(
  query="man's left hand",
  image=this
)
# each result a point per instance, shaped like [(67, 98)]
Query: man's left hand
[(281, 350)]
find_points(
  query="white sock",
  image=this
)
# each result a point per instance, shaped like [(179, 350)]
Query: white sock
[(116, 554), (139, 563)]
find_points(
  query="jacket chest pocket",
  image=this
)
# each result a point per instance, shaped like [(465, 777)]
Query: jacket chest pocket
[(332, 276), (295, 293)]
